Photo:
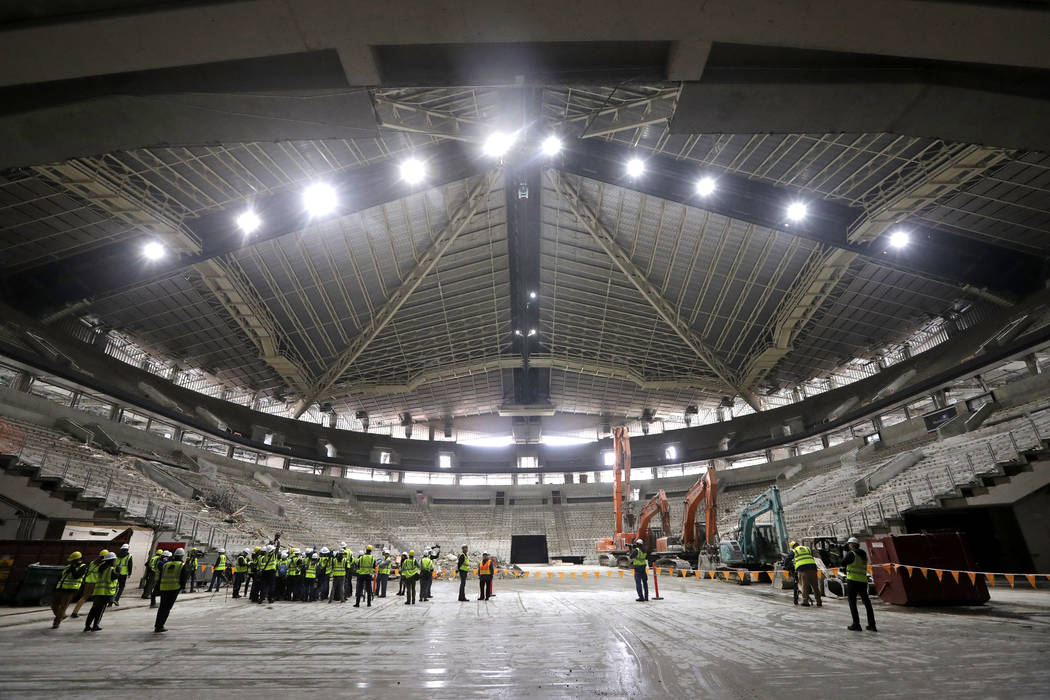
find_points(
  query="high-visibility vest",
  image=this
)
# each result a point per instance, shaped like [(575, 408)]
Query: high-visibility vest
[(803, 556), (638, 557), (338, 567), (241, 565), (270, 564), (426, 564), (857, 570), (170, 575), (123, 565), (311, 569), (295, 566), (106, 583), (485, 567), (384, 566), (365, 564), (152, 563), (465, 566), (92, 573), (220, 563), (408, 568), (72, 577)]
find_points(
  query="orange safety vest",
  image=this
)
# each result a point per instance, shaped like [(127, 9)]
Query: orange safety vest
[(485, 567)]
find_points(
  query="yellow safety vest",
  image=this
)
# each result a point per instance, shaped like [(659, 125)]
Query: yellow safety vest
[(338, 567), (170, 575), (803, 556), (465, 566), (638, 557), (123, 565), (72, 577), (365, 564), (106, 583), (857, 570)]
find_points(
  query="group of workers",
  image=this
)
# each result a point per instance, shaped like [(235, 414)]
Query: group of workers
[(264, 573), (804, 564)]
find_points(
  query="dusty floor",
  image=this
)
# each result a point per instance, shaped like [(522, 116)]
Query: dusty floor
[(558, 638)]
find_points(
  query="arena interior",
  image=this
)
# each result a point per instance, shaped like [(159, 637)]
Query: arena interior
[(511, 287)]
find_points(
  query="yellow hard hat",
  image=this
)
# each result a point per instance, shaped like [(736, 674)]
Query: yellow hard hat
[(258, 548), (368, 548), (411, 552), (74, 556), (103, 553), (794, 543), (160, 551)]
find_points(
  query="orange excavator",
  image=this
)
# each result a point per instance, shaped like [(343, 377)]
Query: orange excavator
[(694, 540), (625, 532)]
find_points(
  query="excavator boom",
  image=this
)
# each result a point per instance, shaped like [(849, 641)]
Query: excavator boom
[(657, 505), (705, 491)]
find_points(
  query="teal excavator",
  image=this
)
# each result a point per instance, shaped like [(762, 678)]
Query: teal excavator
[(755, 546)]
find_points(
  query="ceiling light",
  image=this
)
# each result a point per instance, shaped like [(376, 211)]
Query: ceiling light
[(153, 251), (635, 167), (899, 238), (532, 295), (532, 332), (551, 145), (517, 332), (705, 186), (498, 143), (319, 199), (248, 222), (413, 171), (796, 211)]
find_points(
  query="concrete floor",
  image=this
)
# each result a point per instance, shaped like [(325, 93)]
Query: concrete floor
[(560, 638)]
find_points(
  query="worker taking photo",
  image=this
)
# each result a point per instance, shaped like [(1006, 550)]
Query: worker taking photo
[(640, 561)]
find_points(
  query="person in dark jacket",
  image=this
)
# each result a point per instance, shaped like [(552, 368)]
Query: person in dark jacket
[(789, 566), (105, 588), (856, 564), (67, 589)]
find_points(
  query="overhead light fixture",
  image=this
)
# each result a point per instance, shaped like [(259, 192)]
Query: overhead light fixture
[(635, 167), (551, 145), (153, 251), (532, 295), (899, 238), (517, 331), (248, 222), (319, 199), (532, 332), (498, 143), (705, 186), (413, 171), (797, 211)]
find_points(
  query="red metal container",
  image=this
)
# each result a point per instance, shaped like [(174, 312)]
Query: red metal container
[(17, 555), (940, 550)]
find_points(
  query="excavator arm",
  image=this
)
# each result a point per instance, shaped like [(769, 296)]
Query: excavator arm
[(705, 491), (621, 468), (765, 503), (657, 505)]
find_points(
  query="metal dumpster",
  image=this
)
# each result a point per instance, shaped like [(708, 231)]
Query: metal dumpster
[(940, 550), (37, 584)]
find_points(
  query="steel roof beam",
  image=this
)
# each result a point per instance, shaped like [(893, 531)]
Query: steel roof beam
[(588, 217), (457, 222)]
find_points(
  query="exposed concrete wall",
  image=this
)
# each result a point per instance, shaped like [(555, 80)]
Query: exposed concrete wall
[(1033, 517), (163, 478), (1023, 390), (887, 471)]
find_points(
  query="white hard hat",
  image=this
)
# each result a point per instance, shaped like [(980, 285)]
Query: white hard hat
[(166, 553), (343, 545), (852, 540), (125, 546), (638, 541), (404, 554), (324, 550), (109, 555), (315, 555), (180, 552), (463, 547), (284, 555), (484, 554), (270, 548), (222, 550), (246, 550), (309, 550)]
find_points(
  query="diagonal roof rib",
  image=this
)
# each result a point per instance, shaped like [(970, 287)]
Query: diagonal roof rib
[(585, 213), (457, 222)]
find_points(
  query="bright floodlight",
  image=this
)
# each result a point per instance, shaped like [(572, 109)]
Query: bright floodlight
[(796, 211), (532, 332), (498, 143), (635, 167), (413, 171), (319, 199), (153, 251), (532, 295), (705, 186), (551, 145), (899, 238), (248, 222)]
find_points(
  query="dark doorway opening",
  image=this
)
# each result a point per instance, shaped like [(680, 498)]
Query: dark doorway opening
[(528, 549)]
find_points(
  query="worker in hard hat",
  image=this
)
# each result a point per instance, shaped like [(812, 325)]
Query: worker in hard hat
[(324, 573), (152, 565), (463, 567), (269, 575), (410, 573), (218, 570), (241, 566), (400, 580), (806, 573), (310, 578), (640, 563), (426, 576), (339, 565), (192, 566), (295, 575), (124, 565), (87, 590), (173, 575), (165, 557), (486, 569), (856, 565), (383, 568), (365, 565), (68, 587), (255, 573), (103, 591)]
